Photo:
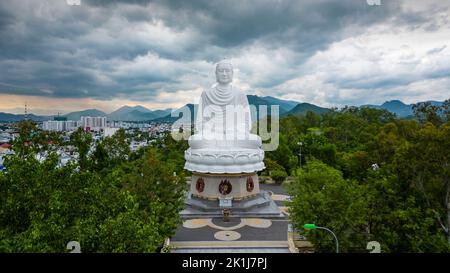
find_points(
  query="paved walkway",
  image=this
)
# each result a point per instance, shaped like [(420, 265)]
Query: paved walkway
[(231, 247)]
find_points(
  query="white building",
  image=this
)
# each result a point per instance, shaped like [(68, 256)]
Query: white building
[(4, 152), (135, 145), (54, 125), (108, 131), (71, 125), (4, 137), (93, 123), (59, 125)]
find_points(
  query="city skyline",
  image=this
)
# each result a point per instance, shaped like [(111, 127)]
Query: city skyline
[(61, 58)]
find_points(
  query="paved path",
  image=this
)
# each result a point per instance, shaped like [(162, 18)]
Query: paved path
[(231, 247)]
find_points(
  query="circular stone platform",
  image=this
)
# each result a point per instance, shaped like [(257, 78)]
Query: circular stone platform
[(227, 235)]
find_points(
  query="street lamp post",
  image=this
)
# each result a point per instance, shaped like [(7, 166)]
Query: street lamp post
[(300, 154), (313, 226)]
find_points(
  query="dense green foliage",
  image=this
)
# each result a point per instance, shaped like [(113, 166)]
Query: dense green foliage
[(106, 201), (370, 176), (324, 197), (278, 176)]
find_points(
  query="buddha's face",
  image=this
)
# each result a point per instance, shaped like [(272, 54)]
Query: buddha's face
[(224, 73)]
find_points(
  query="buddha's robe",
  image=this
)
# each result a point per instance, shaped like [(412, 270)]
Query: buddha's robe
[(223, 115)]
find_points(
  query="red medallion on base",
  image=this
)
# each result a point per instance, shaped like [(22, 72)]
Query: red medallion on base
[(200, 185), (225, 187), (250, 184)]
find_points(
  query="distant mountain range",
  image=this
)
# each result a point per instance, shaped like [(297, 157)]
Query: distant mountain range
[(287, 107), (284, 107), (140, 113), (125, 113), (399, 108), (14, 117)]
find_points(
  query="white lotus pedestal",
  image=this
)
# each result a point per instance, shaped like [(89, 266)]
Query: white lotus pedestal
[(226, 179)]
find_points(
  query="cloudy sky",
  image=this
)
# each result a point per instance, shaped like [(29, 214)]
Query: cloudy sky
[(161, 54)]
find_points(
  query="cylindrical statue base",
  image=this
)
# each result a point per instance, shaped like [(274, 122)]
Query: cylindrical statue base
[(217, 186)]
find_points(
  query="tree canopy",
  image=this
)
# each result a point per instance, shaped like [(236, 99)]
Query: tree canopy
[(371, 176), (103, 200)]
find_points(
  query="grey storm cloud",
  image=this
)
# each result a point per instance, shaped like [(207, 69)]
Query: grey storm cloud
[(102, 49), (305, 25)]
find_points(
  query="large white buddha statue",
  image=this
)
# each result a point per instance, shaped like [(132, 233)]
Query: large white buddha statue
[(222, 142)]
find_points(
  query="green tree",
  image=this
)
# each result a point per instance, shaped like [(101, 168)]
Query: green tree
[(131, 208), (424, 163), (397, 218), (355, 164), (271, 165), (158, 191), (426, 112), (283, 155), (278, 176), (321, 196), (111, 151), (82, 141), (25, 144)]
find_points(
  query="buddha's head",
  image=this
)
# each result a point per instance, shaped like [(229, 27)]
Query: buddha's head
[(224, 72)]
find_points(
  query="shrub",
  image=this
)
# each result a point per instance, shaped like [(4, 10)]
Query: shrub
[(278, 175)]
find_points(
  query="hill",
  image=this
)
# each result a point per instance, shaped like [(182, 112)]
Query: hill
[(136, 113), (303, 108), (6, 117), (287, 105), (90, 112)]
